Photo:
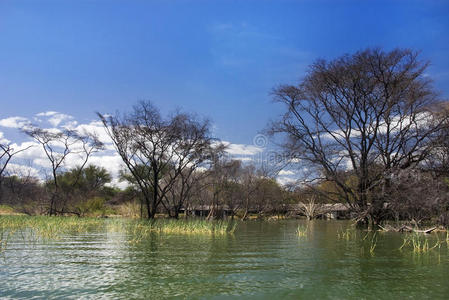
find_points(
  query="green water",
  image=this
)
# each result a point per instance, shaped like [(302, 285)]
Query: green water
[(261, 260)]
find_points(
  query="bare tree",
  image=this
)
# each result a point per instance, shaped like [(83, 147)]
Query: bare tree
[(165, 148), (24, 192), (253, 179), (250, 185), (205, 189), (369, 114), (178, 196), (6, 154), (57, 146), (192, 150), (230, 182), (438, 160), (222, 179)]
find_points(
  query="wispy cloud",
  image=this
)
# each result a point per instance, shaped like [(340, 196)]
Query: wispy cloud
[(47, 114)]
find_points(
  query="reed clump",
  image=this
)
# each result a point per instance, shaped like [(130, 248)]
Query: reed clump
[(419, 243), (301, 231), (373, 244), (346, 234), (172, 226), (195, 226)]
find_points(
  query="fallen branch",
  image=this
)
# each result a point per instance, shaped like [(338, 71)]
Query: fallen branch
[(405, 228)]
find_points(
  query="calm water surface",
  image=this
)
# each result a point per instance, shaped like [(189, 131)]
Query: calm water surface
[(262, 260)]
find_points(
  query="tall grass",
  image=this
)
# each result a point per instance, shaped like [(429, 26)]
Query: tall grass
[(7, 210), (419, 243), (46, 228), (301, 231), (346, 234), (171, 226), (368, 242), (373, 244)]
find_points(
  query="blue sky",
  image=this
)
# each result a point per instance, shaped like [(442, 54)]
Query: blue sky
[(219, 59)]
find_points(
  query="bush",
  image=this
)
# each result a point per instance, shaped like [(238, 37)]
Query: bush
[(94, 207)]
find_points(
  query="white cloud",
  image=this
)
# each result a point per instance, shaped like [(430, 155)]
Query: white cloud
[(243, 158), (286, 173), (97, 128), (241, 149), (3, 140), (22, 170), (201, 169), (107, 158), (15, 122), (112, 162), (282, 180), (32, 149), (42, 162), (35, 155), (58, 119)]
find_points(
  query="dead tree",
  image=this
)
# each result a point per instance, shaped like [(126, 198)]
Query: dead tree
[(311, 209)]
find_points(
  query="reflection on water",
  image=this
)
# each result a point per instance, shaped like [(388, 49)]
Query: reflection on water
[(261, 260)]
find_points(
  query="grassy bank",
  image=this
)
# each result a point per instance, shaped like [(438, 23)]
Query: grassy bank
[(7, 210)]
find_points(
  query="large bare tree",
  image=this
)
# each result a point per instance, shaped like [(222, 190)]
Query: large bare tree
[(368, 114), (157, 151)]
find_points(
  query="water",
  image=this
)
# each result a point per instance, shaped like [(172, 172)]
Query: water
[(262, 260)]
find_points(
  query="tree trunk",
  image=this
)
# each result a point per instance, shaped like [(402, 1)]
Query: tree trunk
[(149, 210)]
